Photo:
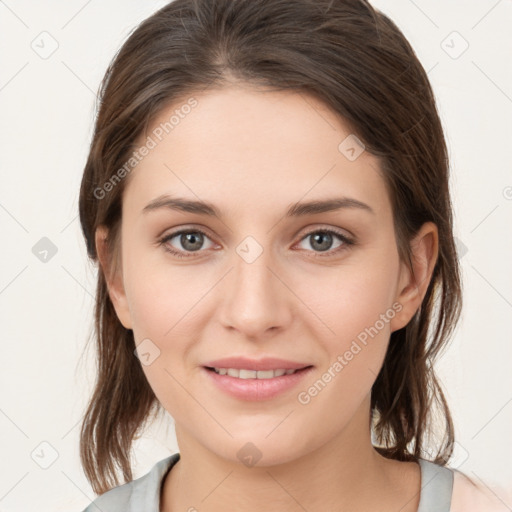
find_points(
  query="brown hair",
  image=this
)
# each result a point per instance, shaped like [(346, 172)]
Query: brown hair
[(354, 59)]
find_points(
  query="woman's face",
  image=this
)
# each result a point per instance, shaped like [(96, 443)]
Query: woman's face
[(275, 275)]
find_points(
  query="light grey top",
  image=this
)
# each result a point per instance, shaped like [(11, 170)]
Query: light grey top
[(436, 487), (143, 494)]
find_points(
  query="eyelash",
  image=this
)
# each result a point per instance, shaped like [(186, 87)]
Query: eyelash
[(347, 242)]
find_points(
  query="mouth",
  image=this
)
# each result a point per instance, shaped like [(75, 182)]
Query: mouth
[(255, 385)]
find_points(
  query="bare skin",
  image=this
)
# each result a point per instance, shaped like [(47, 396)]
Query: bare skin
[(253, 154)]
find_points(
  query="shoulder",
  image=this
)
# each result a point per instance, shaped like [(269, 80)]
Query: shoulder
[(142, 492), (115, 500), (472, 496)]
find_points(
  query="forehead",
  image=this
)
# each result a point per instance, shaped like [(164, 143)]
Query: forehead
[(240, 146)]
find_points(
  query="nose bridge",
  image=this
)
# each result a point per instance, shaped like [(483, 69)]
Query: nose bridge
[(254, 298)]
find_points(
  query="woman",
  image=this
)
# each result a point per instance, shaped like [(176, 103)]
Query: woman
[(267, 196)]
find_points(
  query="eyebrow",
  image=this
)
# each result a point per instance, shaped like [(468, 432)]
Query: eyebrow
[(295, 210)]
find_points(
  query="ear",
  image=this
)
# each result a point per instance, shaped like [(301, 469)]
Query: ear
[(113, 276), (412, 286)]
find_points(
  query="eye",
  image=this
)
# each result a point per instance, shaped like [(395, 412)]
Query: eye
[(190, 240), (322, 241)]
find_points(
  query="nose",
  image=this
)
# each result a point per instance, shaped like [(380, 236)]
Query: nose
[(256, 300)]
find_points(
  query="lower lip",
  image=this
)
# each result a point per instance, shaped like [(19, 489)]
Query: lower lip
[(257, 389)]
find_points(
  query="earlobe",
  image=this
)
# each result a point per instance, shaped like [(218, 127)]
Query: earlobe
[(113, 277), (413, 285)]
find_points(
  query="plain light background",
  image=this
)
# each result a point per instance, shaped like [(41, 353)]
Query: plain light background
[(47, 106)]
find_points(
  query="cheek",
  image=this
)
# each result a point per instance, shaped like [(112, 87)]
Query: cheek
[(162, 297), (167, 307), (354, 297), (356, 304)]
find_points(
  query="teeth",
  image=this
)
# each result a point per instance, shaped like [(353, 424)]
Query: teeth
[(253, 374)]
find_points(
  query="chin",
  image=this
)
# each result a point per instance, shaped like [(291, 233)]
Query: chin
[(258, 449)]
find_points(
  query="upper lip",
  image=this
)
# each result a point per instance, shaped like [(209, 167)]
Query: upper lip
[(266, 363)]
